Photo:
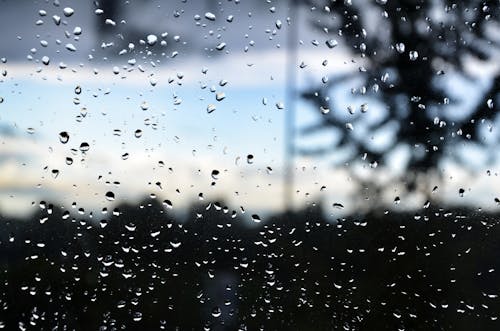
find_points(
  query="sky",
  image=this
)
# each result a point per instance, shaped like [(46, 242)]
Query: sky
[(168, 93)]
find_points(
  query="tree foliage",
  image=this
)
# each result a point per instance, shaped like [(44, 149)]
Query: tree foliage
[(416, 59)]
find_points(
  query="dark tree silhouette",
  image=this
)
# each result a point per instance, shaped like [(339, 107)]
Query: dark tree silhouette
[(411, 55)]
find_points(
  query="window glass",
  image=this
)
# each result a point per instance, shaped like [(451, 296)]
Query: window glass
[(249, 164)]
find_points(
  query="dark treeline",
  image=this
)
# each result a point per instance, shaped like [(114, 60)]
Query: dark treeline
[(144, 269)]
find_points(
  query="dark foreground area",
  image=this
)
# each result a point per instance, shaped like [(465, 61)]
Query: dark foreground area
[(143, 269)]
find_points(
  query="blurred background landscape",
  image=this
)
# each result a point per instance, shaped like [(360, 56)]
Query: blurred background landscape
[(228, 165)]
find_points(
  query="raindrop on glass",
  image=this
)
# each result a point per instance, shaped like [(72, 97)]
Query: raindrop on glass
[(63, 137)]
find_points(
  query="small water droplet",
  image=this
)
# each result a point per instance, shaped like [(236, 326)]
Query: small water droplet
[(211, 108), (220, 46), (413, 55), (332, 43), (137, 317), (167, 204), (324, 110), (489, 103), (138, 133), (216, 312), (400, 48), (110, 196), (63, 137), (256, 218), (84, 147), (220, 96), (56, 19), (151, 39), (70, 47), (210, 16), (68, 11), (338, 205), (278, 24)]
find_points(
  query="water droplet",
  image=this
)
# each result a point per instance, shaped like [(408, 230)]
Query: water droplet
[(209, 16), (256, 218), (215, 174), (220, 96), (84, 147), (70, 47), (69, 161), (338, 205), (137, 316), (68, 11), (78, 89), (216, 312), (167, 204), (278, 24), (349, 126), (56, 19), (249, 158), (211, 108), (63, 137), (489, 103), (400, 48), (46, 60), (397, 200), (151, 39), (413, 55), (332, 43), (220, 46), (280, 105), (110, 196)]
